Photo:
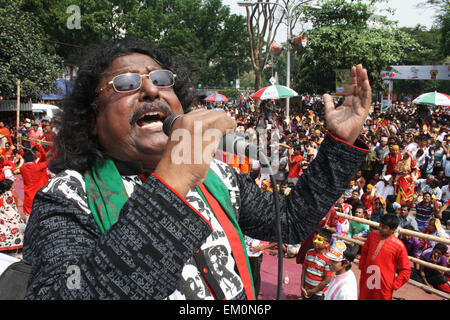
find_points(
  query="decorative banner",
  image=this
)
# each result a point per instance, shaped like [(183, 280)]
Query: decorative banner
[(342, 80), (276, 49), (417, 73), (386, 99), (299, 41)]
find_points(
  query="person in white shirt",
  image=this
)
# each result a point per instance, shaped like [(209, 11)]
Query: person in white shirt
[(343, 285), (446, 192), (384, 186)]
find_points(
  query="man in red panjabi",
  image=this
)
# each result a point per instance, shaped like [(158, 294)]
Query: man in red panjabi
[(380, 255), (295, 165), (392, 159), (34, 176)]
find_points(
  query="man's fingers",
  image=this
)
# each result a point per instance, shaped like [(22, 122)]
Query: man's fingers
[(328, 103)]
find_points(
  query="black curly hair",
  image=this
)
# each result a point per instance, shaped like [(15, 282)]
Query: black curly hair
[(78, 149)]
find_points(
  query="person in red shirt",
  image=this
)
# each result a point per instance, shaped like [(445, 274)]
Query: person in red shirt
[(4, 131), (295, 164), (381, 253), (34, 176), (392, 159), (49, 136), (7, 168)]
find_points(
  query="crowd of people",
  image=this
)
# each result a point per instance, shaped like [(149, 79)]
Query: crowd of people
[(406, 176), (406, 173)]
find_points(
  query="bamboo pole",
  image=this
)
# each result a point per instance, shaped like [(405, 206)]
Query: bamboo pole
[(18, 107), (48, 143), (400, 230), (413, 259)]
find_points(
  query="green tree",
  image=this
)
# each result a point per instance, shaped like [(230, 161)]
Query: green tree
[(204, 33), (430, 54), (97, 21), (345, 34), (23, 55), (443, 23)]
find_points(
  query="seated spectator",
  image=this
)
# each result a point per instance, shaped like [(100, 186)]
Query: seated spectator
[(378, 209), (391, 205), (368, 197), (384, 187), (425, 211), (412, 244), (432, 277), (357, 227), (406, 219), (354, 199)]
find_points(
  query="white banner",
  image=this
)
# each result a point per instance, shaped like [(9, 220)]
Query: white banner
[(417, 73)]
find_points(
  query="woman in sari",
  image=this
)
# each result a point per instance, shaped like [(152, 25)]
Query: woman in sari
[(406, 175)]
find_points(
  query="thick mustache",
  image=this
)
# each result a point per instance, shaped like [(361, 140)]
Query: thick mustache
[(149, 107)]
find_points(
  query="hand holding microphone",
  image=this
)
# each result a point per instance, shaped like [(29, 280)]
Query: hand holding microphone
[(193, 140)]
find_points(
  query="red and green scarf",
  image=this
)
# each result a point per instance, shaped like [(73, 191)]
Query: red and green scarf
[(106, 195)]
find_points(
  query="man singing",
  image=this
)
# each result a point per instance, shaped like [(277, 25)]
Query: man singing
[(125, 219)]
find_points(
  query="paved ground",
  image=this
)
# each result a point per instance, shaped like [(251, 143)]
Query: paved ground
[(291, 291)]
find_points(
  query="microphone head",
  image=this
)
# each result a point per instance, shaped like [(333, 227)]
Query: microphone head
[(168, 123)]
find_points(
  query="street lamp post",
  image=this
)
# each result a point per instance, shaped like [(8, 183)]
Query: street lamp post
[(288, 13), (288, 82)]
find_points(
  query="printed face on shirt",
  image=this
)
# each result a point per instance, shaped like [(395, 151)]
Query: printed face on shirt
[(129, 124), (193, 281)]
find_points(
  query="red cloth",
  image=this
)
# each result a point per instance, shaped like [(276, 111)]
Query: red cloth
[(33, 134), (391, 161), (330, 220), (378, 265), (294, 167), (366, 199), (5, 163), (34, 177), (405, 186), (4, 131)]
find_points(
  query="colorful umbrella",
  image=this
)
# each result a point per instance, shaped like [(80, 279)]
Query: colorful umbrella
[(433, 98), (274, 92), (216, 97)]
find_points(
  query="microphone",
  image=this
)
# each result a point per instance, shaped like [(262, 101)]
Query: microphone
[(229, 143), (237, 145)]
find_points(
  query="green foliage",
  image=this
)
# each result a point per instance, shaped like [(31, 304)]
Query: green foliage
[(202, 32), (22, 54), (230, 93), (342, 37)]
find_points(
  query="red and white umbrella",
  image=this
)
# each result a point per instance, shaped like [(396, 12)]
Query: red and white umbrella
[(274, 92), (433, 98), (216, 97)]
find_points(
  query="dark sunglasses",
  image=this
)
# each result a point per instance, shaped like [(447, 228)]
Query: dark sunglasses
[(128, 82)]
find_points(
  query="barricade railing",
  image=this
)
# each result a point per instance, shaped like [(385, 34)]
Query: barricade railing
[(412, 259)]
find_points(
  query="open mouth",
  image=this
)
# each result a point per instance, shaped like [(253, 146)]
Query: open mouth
[(151, 119)]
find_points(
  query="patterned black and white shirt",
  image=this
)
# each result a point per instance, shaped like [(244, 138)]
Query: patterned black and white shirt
[(154, 250)]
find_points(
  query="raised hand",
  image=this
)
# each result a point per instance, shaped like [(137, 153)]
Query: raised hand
[(346, 121)]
